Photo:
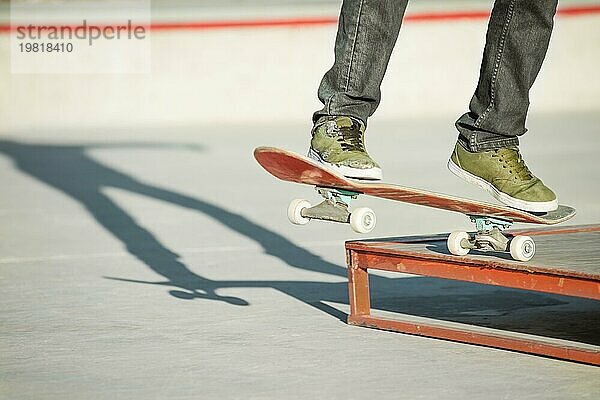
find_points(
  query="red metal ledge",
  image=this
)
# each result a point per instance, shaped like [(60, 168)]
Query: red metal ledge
[(569, 276), (495, 340), (492, 272)]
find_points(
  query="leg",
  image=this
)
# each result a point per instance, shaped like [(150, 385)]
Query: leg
[(350, 90), (366, 36), (516, 44)]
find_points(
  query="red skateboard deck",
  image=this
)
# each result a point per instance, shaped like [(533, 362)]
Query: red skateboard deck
[(292, 167)]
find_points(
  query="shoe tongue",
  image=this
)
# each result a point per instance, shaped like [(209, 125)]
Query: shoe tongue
[(344, 122), (507, 150), (519, 165)]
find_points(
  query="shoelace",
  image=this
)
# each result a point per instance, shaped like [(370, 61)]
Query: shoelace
[(349, 137), (514, 162)]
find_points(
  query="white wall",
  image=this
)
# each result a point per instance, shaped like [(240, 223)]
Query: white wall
[(271, 75)]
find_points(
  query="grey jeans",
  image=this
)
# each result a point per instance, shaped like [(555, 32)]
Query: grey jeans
[(516, 43)]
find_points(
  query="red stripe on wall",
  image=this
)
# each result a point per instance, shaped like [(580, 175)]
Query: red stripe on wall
[(308, 21)]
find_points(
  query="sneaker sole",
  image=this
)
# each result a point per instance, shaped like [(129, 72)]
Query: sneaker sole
[(372, 174), (529, 206)]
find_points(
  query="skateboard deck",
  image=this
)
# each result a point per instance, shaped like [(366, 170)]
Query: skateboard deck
[(292, 167)]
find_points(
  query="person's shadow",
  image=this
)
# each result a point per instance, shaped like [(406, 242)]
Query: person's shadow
[(69, 169), (72, 171)]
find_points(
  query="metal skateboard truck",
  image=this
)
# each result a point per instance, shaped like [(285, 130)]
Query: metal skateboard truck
[(333, 208), (489, 236)]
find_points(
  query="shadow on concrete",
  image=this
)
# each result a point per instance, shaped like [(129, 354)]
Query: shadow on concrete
[(69, 169), (72, 171)]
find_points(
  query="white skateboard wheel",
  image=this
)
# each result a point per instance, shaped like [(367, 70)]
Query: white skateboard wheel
[(294, 211), (362, 220), (522, 248), (455, 243)]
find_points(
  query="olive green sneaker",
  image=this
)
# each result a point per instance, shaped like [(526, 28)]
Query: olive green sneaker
[(504, 174), (338, 143)]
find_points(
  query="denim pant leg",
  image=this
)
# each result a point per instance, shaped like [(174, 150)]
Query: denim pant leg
[(516, 44), (366, 36)]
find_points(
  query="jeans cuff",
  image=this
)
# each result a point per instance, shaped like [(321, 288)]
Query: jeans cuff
[(319, 115), (476, 145)]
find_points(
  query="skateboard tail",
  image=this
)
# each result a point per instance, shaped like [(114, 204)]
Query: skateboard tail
[(300, 170)]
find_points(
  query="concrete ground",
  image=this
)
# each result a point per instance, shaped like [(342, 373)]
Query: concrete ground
[(144, 253), (155, 264)]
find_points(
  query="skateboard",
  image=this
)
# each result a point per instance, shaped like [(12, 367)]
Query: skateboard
[(338, 191)]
